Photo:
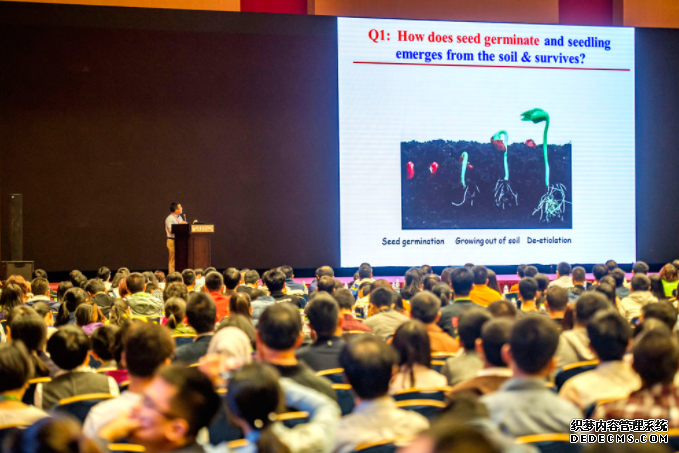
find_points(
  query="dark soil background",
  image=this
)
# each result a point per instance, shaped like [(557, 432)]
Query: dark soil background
[(426, 199)]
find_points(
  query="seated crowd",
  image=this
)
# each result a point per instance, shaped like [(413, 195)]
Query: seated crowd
[(203, 361)]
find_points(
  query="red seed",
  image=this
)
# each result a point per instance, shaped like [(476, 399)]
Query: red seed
[(410, 170), (433, 167)]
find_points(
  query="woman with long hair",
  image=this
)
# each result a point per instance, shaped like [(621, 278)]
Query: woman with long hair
[(657, 288), (23, 284), (27, 326), (120, 313), (73, 298), (411, 342), (175, 312), (413, 285), (239, 304), (12, 296), (89, 318)]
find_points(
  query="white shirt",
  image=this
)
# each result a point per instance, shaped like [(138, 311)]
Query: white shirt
[(425, 378), (614, 379), (169, 221), (104, 412), (564, 282)]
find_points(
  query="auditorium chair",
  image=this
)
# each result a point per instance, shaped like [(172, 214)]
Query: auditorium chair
[(79, 406), (123, 386), (572, 370), (437, 365), (181, 340), (551, 443), (334, 375), (29, 394), (127, 448), (292, 419), (383, 446), (426, 408), (345, 398), (237, 445), (422, 394)]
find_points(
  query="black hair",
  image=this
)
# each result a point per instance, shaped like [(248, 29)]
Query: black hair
[(147, 346), (104, 273), (365, 271), (520, 270), (326, 284), (445, 275), (533, 342), (201, 312), (662, 311), (61, 290), (430, 281), (619, 277), (173, 206), (251, 277), (253, 395), (12, 296), (29, 327), (15, 366), (173, 277), (41, 308), (579, 274), (528, 288), (175, 289), (609, 334), (232, 278), (502, 309), (366, 355), (195, 398), (274, 280), (287, 270), (175, 311), (73, 298), (557, 298), (657, 288), (480, 275), (640, 282), (325, 270), (611, 265), (279, 326), (79, 281), (95, 286), (189, 277), (150, 278), (323, 314), (239, 304), (68, 347), (118, 313), (214, 281), (469, 326), (563, 268), (362, 290), (443, 292), (599, 271), (462, 280), (382, 297), (425, 306), (135, 282), (542, 281), (656, 354), (344, 299), (102, 340), (413, 283), (492, 281), (588, 304), (40, 273), (411, 343), (494, 335), (40, 286), (640, 268), (243, 323), (530, 271), (607, 290), (84, 314)]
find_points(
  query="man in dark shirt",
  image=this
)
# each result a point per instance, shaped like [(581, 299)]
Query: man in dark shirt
[(279, 334), (251, 280), (97, 291), (293, 286), (274, 280), (231, 281), (325, 321), (462, 280), (201, 313)]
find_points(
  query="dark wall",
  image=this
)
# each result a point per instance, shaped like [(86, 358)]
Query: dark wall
[(109, 114)]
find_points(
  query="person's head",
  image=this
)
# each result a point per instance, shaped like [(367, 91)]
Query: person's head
[(494, 335), (365, 271), (326, 284), (429, 281), (610, 265), (502, 309), (136, 283), (532, 344), (160, 276), (175, 312), (520, 271), (609, 335), (251, 278), (363, 289), (607, 289), (146, 347), (543, 283), (366, 355), (79, 281), (16, 367), (563, 269), (528, 288), (619, 277), (425, 306), (530, 271), (587, 305), (68, 347), (443, 292), (287, 270), (120, 312), (228, 342), (39, 273), (40, 287), (175, 208), (445, 275), (640, 268), (253, 395), (73, 298), (94, 286), (201, 312), (480, 275), (239, 304), (104, 273), (640, 282), (579, 275), (662, 311), (102, 341), (214, 282), (232, 278), (668, 273), (556, 300), (12, 296), (173, 277), (61, 290), (599, 271), (344, 299), (22, 283), (656, 354), (324, 317), (175, 289), (189, 277), (279, 329), (150, 278), (469, 326), (324, 271), (413, 283), (178, 403), (411, 343), (54, 434), (274, 280), (462, 279), (492, 281), (45, 312), (84, 315), (657, 288), (381, 298), (27, 326)]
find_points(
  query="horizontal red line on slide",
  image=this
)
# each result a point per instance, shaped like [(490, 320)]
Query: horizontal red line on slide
[(489, 66)]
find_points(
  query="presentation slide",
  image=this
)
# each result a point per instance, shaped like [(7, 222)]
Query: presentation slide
[(496, 144)]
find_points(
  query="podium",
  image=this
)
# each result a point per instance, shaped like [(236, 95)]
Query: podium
[(192, 246)]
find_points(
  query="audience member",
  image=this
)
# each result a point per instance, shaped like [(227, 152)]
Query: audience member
[(141, 303), (240, 305), (295, 288), (620, 290), (279, 334), (96, 289), (325, 322), (411, 343), (346, 302), (120, 313), (662, 311), (504, 309), (609, 336), (556, 303), (640, 296), (574, 344), (243, 323), (41, 293), (189, 279), (657, 288), (175, 289), (669, 277), (69, 349), (146, 347), (462, 280), (365, 274), (16, 369), (58, 434), (376, 416), (73, 298), (424, 307), (250, 282), (563, 276), (384, 320), (528, 290), (608, 290), (520, 272), (174, 277), (494, 336), (481, 294), (274, 280), (530, 271), (444, 292), (26, 291), (61, 290), (103, 341), (232, 278), (326, 284), (201, 314), (429, 281), (579, 283), (260, 301), (412, 286), (214, 285), (524, 405), (321, 272), (89, 318), (640, 268), (175, 314), (611, 265), (599, 271), (11, 296), (232, 344), (47, 316), (466, 365), (26, 325)]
